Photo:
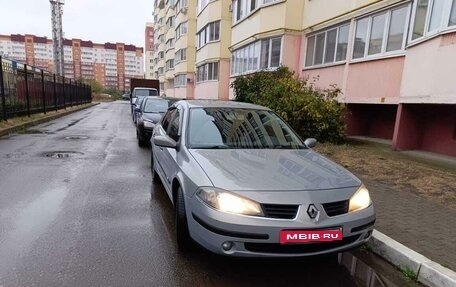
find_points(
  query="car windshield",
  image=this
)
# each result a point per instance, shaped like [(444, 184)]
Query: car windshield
[(232, 128), (156, 106), (146, 92)]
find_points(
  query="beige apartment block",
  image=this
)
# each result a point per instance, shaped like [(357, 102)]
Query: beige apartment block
[(213, 40)]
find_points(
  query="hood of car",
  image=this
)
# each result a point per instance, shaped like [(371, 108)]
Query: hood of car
[(153, 117), (269, 169)]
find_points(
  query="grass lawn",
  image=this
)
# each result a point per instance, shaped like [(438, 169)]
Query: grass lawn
[(20, 120)]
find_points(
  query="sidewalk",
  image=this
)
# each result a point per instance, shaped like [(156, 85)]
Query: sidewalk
[(418, 223)]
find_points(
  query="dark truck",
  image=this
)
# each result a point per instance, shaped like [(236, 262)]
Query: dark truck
[(144, 84), (141, 88)]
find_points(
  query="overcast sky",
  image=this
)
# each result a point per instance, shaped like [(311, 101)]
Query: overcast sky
[(97, 20)]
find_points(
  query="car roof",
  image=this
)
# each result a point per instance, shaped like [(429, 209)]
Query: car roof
[(220, 104)]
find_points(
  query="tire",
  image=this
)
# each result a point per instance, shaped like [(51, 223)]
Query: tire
[(183, 239), (155, 176), (141, 142)]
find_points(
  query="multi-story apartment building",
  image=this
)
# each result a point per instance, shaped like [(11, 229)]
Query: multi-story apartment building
[(394, 60), (112, 65), (191, 58), (149, 50)]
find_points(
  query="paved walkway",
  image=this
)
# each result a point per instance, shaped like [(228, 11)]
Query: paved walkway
[(427, 227)]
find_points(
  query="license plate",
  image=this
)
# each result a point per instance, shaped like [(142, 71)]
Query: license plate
[(306, 236)]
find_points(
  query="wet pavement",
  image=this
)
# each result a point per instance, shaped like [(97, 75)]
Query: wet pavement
[(77, 208)]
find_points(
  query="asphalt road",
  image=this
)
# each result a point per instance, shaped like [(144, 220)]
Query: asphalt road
[(95, 219)]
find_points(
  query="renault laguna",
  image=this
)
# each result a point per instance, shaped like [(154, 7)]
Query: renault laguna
[(243, 183)]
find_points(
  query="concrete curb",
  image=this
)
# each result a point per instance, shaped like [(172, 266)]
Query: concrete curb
[(428, 272), (60, 114)]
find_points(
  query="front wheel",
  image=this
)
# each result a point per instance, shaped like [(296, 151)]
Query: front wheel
[(184, 241)]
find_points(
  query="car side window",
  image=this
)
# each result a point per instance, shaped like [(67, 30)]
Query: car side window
[(167, 118), (173, 130)]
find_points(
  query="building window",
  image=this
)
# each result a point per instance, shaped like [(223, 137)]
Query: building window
[(170, 22), (161, 55), (210, 33), (181, 5), (160, 71), (431, 16), (180, 55), (180, 80), (169, 65), (326, 47), (170, 44), (207, 72), (202, 4), (381, 33), (181, 30), (262, 54), (452, 20), (242, 8)]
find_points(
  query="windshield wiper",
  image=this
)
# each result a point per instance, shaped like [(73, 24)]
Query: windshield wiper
[(288, 147), (211, 147)]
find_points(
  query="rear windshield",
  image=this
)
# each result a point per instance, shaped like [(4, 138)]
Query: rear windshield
[(146, 92), (156, 106), (214, 128)]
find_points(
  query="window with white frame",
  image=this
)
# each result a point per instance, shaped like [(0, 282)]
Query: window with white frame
[(452, 20), (170, 22), (181, 4), (169, 64), (180, 55), (381, 33), (210, 33), (262, 54), (160, 71), (431, 16), (207, 72), (180, 80), (170, 43), (202, 4), (181, 30), (328, 46), (161, 38), (242, 8)]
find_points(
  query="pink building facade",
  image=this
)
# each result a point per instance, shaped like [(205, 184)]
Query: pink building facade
[(396, 67)]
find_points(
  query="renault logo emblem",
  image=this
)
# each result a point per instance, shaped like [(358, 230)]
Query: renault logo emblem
[(312, 211)]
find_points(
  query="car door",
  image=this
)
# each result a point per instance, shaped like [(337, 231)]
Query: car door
[(160, 164), (169, 154)]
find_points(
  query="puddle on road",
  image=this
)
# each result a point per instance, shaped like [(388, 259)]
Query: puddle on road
[(76, 137), (31, 221), (36, 132), (369, 270), (61, 154)]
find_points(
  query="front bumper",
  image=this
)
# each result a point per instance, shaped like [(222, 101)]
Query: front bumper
[(259, 237)]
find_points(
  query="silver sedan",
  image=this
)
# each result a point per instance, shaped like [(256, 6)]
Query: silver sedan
[(244, 184)]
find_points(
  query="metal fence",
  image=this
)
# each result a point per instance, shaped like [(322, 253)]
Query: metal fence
[(25, 90)]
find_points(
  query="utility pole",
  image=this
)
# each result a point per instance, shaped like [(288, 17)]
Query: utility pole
[(57, 34)]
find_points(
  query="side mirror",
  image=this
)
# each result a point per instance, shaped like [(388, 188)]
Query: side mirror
[(310, 142), (164, 141), (137, 110)]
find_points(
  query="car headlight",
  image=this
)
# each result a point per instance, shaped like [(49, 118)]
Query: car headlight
[(360, 199), (229, 202), (148, 124)]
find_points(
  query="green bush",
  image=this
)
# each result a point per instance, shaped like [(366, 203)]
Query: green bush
[(310, 111)]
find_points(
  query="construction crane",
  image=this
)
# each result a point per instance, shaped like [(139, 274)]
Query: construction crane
[(57, 34)]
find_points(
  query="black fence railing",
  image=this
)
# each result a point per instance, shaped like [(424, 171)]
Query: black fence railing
[(25, 90)]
